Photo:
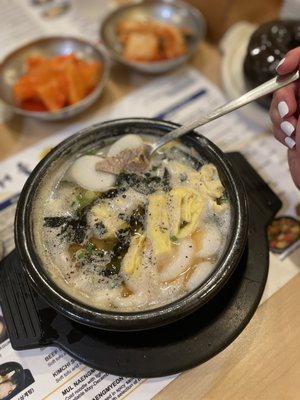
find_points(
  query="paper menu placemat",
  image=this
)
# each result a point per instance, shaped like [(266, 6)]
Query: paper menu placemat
[(179, 97), (22, 21)]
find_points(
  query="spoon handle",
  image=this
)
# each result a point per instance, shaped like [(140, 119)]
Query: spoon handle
[(268, 87)]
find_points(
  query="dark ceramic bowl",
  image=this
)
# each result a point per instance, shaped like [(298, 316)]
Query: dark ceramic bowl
[(121, 321), (3, 330)]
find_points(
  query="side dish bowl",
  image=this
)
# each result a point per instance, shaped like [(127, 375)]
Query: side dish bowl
[(87, 139), (13, 67), (177, 13)]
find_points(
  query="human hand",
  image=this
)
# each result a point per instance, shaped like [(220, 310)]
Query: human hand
[(284, 113)]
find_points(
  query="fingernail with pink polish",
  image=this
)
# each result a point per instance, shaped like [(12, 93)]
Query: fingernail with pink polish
[(287, 127), (283, 109), (290, 142), (280, 63)]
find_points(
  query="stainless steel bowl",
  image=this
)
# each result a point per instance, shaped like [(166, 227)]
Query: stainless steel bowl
[(173, 12), (13, 66)]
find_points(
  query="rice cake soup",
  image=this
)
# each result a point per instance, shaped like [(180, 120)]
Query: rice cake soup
[(130, 240)]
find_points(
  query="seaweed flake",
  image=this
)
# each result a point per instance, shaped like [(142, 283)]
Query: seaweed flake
[(77, 230), (143, 184), (112, 193), (56, 222), (101, 230), (166, 181), (74, 228), (221, 200), (137, 219)]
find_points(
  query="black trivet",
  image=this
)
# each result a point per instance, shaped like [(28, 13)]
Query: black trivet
[(162, 351)]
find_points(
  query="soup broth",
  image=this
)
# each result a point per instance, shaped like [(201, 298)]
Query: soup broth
[(130, 241)]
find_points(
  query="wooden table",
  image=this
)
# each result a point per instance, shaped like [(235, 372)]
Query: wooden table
[(264, 361)]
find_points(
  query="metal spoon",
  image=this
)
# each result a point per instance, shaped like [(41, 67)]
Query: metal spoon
[(268, 87), (137, 160)]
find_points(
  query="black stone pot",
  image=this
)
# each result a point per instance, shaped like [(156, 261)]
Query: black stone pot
[(120, 321)]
